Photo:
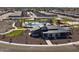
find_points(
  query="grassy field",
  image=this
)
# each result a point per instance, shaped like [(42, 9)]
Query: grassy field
[(20, 28), (15, 33), (28, 20)]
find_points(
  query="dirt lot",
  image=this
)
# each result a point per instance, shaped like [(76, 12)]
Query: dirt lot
[(5, 25)]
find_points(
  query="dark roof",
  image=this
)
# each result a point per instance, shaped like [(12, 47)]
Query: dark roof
[(56, 31), (53, 27)]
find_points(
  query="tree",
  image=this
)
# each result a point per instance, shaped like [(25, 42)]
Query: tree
[(65, 19), (55, 21)]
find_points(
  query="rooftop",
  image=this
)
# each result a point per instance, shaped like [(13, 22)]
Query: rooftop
[(56, 31)]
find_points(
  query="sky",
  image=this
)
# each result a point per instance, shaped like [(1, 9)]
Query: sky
[(39, 3)]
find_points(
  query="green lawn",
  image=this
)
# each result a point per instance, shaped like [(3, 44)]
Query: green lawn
[(20, 28), (28, 20), (15, 33), (65, 19)]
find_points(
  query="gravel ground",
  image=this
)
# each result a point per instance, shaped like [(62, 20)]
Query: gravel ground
[(5, 25)]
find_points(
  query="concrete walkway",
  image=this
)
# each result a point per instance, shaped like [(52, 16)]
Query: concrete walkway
[(49, 42), (14, 25), (13, 47)]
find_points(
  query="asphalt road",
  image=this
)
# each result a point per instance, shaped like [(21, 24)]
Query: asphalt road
[(12, 48)]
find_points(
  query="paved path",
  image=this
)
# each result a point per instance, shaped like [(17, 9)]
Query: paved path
[(16, 48), (49, 42), (14, 25)]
